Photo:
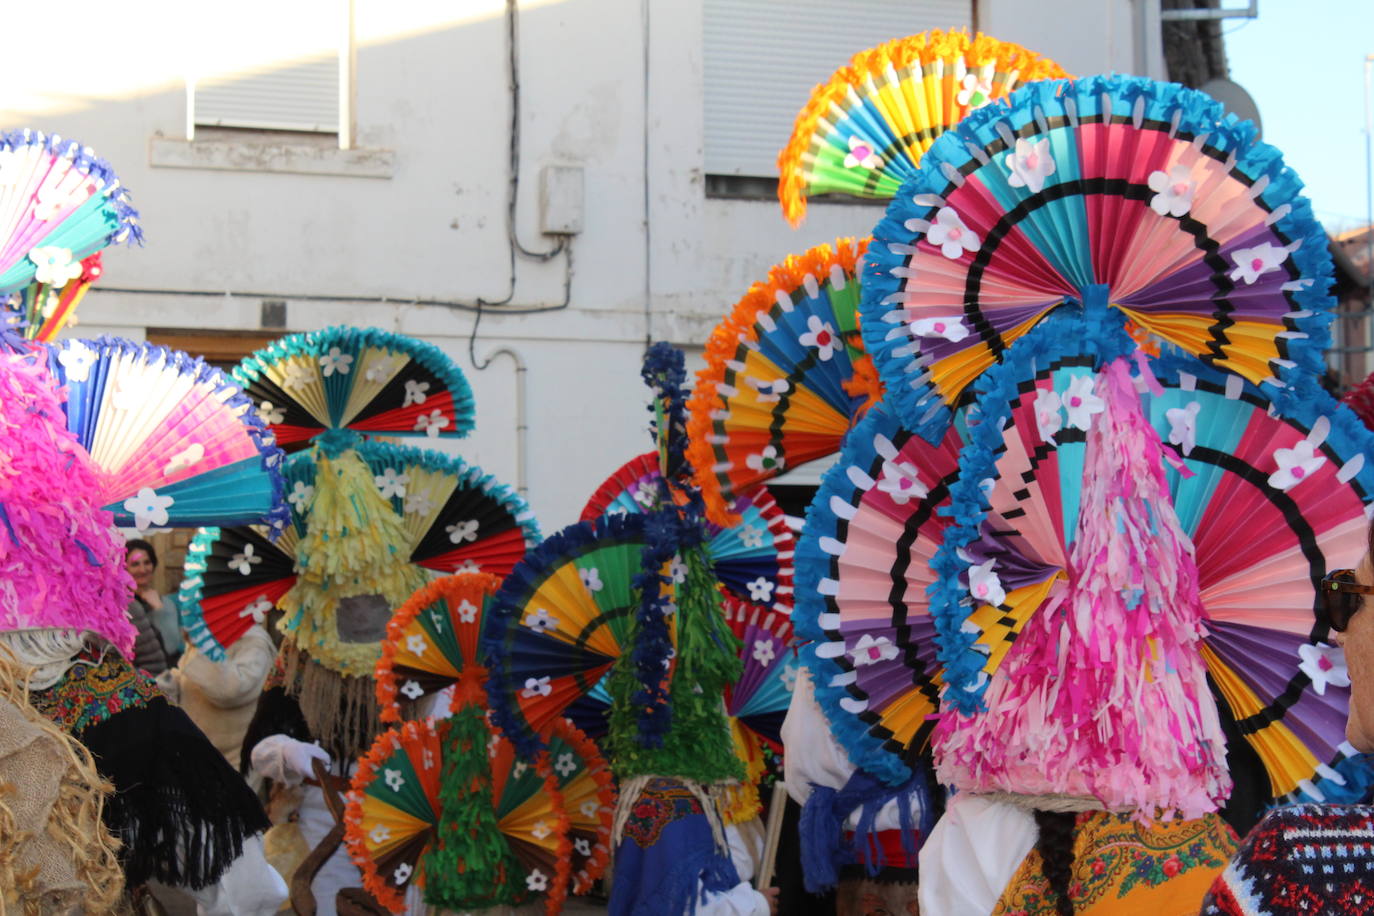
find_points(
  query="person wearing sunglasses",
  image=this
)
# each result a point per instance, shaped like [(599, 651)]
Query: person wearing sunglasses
[(1313, 858)]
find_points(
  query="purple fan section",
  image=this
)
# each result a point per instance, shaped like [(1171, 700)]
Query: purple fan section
[(885, 681), (1013, 570), (1194, 282)]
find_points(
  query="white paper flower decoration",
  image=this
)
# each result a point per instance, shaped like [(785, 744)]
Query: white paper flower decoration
[(54, 266), (591, 578), (467, 611), (869, 650), (416, 643), (419, 504), (950, 235), (540, 620), (766, 460), (380, 370), (1183, 425), (1174, 191), (300, 496), (948, 327), (975, 90), (270, 413), (1048, 419), (1296, 464), (536, 687), (462, 532), (415, 392), (334, 361), (751, 536), (395, 780), (1080, 403), (902, 482), (821, 335), (764, 651), (566, 764), (77, 360), (861, 155), (412, 690), (148, 508), (392, 483), (537, 881), (1253, 263), (984, 584), (1030, 165), (760, 590), (258, 610), (1324, 665), (432, 423)]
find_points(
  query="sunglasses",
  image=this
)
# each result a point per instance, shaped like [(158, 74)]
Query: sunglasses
[(1340, 597)]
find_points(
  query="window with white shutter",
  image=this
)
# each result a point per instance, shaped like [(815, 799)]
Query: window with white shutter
[(762, 58), (296, 77)]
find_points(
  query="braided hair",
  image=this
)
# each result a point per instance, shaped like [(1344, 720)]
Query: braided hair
[(1055, 845)]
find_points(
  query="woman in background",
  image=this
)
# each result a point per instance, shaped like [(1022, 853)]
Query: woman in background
[(152, 651)]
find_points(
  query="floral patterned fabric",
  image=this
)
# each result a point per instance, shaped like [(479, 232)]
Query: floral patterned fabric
[(1121, 866), (93, 690), (662, 802), (1315, 860)]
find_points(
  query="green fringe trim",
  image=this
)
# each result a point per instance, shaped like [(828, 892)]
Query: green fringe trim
[(471, 866), (698, 745)]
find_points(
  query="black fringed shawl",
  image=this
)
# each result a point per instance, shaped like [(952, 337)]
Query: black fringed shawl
[(180, 811)]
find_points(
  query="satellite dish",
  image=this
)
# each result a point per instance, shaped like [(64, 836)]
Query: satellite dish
[(1234, 98)]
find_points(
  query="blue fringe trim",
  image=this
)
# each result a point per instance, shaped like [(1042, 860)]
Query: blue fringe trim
[(127, 228), (1062, 334), (811, 566), (824, 848), (664, 372), (921, 407), (353, 340), (106, 348), (653, 646), (192, 616), (503, 616)]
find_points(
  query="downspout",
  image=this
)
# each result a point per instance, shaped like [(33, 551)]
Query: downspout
[(521, 423)]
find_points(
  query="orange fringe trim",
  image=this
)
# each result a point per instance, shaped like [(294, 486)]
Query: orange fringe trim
[(354, 840), (600, 772), (924, 47), (557, 893), (723, 343), (464, 586)]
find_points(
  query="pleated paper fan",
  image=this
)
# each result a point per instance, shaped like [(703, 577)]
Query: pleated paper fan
[(393, 810), (173, 438), (786, 375), (43, 309), (589, 795), (433, 641), (59, 204), (1108, 191), (752, 558), (398, 816), (561, 619), (367, 380), (759, 699), (863, 570), (456, 517), (864, 130), (232, 578), (1291, 474)]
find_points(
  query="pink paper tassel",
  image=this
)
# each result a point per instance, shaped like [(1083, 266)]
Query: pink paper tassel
[(61, 560), (1104, 693)]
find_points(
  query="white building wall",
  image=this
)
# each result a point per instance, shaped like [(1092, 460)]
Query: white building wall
[(611, 86)]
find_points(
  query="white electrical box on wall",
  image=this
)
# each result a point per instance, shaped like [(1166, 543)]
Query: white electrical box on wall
[(561, 200)]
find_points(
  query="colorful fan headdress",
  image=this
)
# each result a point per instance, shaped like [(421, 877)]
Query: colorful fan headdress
[(447, 804), (786, 375), (863, 574), (173, 439), (752, 559), (1119, 494), (864, 130), (44, 308), (59, 204), (62, 562), (1113, 191)]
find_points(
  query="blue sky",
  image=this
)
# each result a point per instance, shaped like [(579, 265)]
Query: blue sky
[(1303, 63)]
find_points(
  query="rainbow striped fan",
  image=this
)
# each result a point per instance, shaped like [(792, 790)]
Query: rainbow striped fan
[(43, 309), (59, 204), (367, 380), (863, 571), (453, 518), (752, 559), (172, 438), (397, 817), (432, 641), (589, 794), (759, 699), (864, 130), (1109, 191), (785, 376), (560, 620), (1078, 498)]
